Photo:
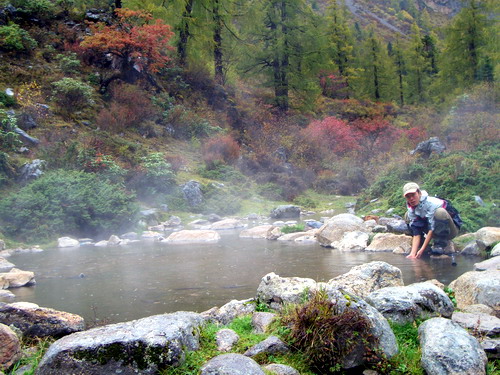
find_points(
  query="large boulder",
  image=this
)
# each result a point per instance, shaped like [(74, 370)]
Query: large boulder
[(477, 287), (67, 242), (278, 369), (405, 304), (145, 346), (447, 348), (426, 148), (32, 170), (227, 224), (334, 228), (35, 321), (10, 349), (260, 231), (397, 243), (192, 193), (285, 212), (16, 278), (488, 235), (352, 241), (193, 236), (275, 290), (231, 364), (363, 279)]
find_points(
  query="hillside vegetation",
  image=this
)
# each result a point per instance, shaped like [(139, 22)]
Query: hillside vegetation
[(262, 102)]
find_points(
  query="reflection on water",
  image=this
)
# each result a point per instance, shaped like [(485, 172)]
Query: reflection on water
[(124, 283)]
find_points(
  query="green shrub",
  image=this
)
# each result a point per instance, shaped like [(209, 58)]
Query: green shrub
[(223, 172), (293, 228), (7, 100), (68, 63), (154, 178), (9, 140), (14, 38), (66, 202), (41, 9), (72, 94), (325, 332), (271, 191)]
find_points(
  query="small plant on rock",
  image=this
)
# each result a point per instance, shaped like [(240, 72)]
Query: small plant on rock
[(325, 332)]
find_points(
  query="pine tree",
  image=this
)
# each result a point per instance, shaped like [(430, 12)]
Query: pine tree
[(464, 50)]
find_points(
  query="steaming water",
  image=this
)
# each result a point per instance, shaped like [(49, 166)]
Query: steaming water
[(139, 280)]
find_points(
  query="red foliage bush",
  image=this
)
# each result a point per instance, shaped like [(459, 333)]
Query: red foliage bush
[(220, 148), (333, 134), (129, 107)]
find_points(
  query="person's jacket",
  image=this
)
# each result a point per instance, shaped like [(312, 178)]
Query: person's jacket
[(425, 210)]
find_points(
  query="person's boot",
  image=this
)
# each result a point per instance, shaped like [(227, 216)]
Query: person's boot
[(439, 246)]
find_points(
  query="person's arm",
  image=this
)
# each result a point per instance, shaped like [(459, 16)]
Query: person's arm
[(415, 243), (424, 245)]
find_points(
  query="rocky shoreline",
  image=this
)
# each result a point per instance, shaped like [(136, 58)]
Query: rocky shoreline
[(453, 339)]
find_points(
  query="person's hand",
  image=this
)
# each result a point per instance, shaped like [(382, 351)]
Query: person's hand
[(411, 256), (419, 253)]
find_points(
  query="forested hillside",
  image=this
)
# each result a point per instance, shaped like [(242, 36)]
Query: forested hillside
[(124, 102)]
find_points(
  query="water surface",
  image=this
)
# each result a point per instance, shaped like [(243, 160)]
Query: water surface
[(129, 282)]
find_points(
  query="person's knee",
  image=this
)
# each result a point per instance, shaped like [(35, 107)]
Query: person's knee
[(441, 214)]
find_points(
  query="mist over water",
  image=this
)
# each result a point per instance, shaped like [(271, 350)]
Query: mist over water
[(130, 282)]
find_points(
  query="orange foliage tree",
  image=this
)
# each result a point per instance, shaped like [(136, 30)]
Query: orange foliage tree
[(137, 45)]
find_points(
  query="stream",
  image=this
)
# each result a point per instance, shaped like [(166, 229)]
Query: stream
[(122, 283)]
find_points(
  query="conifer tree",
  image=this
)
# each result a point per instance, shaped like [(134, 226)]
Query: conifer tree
[(464, 50)]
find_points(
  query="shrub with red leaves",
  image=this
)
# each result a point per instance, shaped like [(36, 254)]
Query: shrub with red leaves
[(220, 148)]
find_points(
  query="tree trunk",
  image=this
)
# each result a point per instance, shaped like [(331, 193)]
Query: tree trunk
[(218, 55), (184, 32)]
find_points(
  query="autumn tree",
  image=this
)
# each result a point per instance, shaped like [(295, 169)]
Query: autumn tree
[(137, 46)]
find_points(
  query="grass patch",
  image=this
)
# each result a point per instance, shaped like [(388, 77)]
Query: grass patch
[(407, 361), (33, 349), (293, 228)]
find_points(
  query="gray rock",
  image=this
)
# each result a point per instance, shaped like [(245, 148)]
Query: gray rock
[(494, 252), (447, 348), (233, 309), (26, 121), (130, 236), (5, 265), (472, 248), (275, 290), (478, 309), (479, 324), (278, 369), (226, 339), (25, 137), (390, 242), (334, 228), (352, 241), (407, 303), (10, 350), (285, 212), (363, 279), (192, 193), (35, 321), (491, 347), (271, 345), (488, 235), (426, 148), (261, 321), (31, 171), (145, 346), (478, 200), (380, 329), (491, 264), (6, 295), (16, 278), (475, 287), (67, 242), (231, 364)]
